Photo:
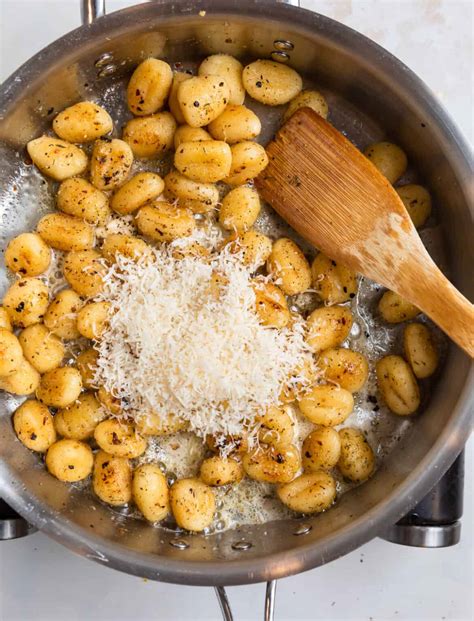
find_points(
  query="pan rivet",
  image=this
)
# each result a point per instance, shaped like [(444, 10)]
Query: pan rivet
[(241, 546), (303, 529), (282, 45), (280, 57), (107, 70), (179, 543), (103, 59)]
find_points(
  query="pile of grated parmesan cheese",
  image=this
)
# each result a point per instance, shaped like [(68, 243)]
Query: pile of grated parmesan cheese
[(175, 346)]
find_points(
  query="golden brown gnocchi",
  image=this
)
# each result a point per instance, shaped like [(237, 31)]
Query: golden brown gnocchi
[(395, 309), (388, 158), (239, 210), (112, 479), (248, 160), (77, 197), (193, 504), (357, 459), (307, 99), (60, 387), (288, 267), (199, 197), (165, 222), (57, 158), (61, 315), (84, 271), (217, 470), (326, 405), (150, 136), (204, 161), (140, 189), (119, 439), (235, 124), (92, 319), (275, 426), (65, 232), (273, 464), (254, 246), (186, 133), (398, 385), (271, 83), (309, 493), (420, 350), (333, 282), (202, 99), (127, 245), (86, 363), (23, 381), (69, 460), (149, 87), (111, 162), (26, 301), (229, 68), (83, 122), (417, 201), (34, 426), (150, 492), (321, 449), (28, 255), (173, 104), (347, 368), (78, 420), (5, 322), (42, 349), (271, 305), (11, 353), (328, 326)]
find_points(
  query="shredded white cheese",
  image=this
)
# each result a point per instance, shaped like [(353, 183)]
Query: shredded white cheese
[(176, 344)]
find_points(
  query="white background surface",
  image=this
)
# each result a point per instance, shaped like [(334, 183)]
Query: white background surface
[(41, 580)]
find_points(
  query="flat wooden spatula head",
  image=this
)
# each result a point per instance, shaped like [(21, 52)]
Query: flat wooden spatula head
[(329, 192)]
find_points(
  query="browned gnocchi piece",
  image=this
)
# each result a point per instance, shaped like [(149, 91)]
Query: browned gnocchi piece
[(60, 387), (217, 470), (417, 201), (42, 349), (23, 381), (69, 460), (119, 439), (274, 464), (288, 267), (65, 232), (193, 504), (347, 368), (333, 282), (165, 222), (57, 158), (388, 158), (420, 350), (328, 326), (357, 459), (61, 315), (326, 405), (150, 136), (395, 309), (228, 68), (271, 305), (321, 449), (78, 420), (235, 124), (77, 197), (307, 99), (199, 197), (239, 210), (34, 426), (127, 245), (248, 159), (92, 320), (111, 162), (398, 385), (112, 479), (173, 103), (82, 122), (27, 254), (86, 363), (271, 83), (309, 493), (204, 161), (275, 426), (202, 99), (84, 271), (149, 87), (11, 353), (26, 301), (254, 246), (150, 492)]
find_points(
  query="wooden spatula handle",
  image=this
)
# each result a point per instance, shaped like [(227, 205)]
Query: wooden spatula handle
[(432, 292)]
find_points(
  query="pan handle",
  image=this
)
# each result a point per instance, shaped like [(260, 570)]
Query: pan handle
[(269, 610), (93, 9)]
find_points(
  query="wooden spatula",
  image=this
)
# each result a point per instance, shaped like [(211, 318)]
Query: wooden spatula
[(335, 198)]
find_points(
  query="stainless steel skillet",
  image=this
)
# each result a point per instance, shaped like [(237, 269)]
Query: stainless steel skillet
[(371, 92)]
